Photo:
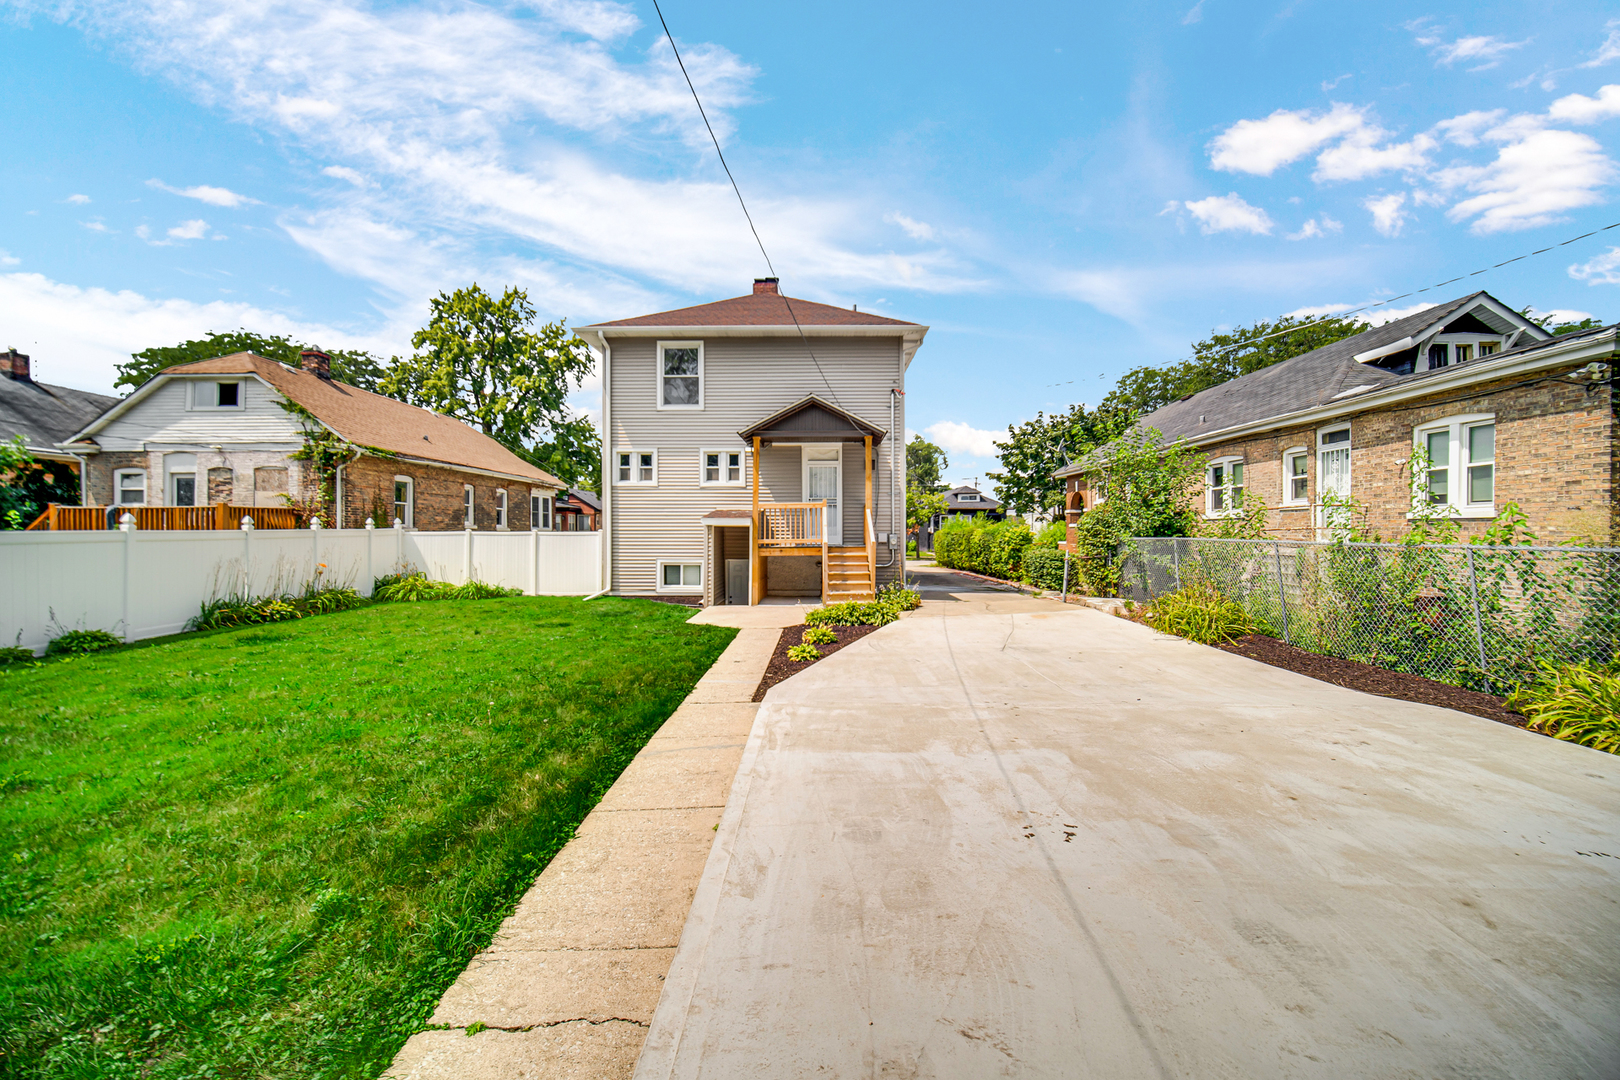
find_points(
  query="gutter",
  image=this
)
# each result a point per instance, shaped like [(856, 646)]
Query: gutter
[(389, 455), (606, 511), (1387, 350)]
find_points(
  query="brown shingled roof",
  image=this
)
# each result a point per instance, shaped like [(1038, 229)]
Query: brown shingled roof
[(371, 420), (758, 309)]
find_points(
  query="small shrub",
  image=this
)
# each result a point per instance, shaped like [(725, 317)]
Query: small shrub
[(478, 590), (326, 601), (80, 642), (911, 549), (1043, 568), (851, 613), (801, 653), (1199, 613), (900, 596), (409, 588), (818, 635), (12, 654), (1051, 535), (1578, 703)]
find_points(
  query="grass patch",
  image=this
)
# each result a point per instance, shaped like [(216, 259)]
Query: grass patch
[(265, 852)]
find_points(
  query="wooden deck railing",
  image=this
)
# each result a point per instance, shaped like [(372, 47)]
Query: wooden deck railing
[(165, 518), (793, 524)]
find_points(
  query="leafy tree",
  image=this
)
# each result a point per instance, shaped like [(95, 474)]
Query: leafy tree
[(28, 486), (921, 505), (1037, 448), (481, 360), (348, 365), (1559, 329), (573, 454), (925, 464), (1222, 357), (1152, 487)]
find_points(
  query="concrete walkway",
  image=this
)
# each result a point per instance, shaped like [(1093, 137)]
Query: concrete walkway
[(1043, 842), (569, 984)]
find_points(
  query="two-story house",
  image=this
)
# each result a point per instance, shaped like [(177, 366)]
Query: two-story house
[(750, 450), (231, 430), (1492, 408)]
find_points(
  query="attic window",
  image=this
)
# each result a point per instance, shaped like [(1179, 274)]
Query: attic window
[(968, 497), (229, 394)]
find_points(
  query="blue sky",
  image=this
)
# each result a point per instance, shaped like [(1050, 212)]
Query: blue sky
[(1061, 198)]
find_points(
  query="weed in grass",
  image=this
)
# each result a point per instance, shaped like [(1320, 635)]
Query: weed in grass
[(800, 654), (266, 852), (1576, 702), (818, 635)]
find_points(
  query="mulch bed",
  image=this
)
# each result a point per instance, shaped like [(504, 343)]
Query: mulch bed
[(1372, 680), (782, 668)]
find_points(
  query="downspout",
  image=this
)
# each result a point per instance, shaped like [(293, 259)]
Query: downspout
[(607, 456), (893, 393)]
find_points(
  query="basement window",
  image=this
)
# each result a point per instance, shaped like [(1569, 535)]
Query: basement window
[(680, 577)]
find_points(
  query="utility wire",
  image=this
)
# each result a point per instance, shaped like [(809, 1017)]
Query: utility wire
[(1381, 303), (751, 228)]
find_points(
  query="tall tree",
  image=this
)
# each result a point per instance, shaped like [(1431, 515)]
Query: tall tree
[(1037, 448), (925, 464), (483, 361), (28, 486), (573, 454), (350, 366), (1222, 357)]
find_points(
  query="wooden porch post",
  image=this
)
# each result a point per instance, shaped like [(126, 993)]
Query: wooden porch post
[(756, 565), (867, 461)]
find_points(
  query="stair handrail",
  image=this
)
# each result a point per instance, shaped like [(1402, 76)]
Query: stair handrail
[(826, 577), (871, 554)]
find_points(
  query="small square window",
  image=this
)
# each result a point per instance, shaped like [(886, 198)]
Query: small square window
[(229, 394), (131, 488)]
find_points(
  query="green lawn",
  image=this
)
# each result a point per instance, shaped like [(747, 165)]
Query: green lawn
[(265, 852)]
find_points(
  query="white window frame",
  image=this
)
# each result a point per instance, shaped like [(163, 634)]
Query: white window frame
[(635, 467), (724, 452), (500, 510), (1457, 464), (118, 486), (682, 589), (469, 507), (541, 511), (967, 496), (1288, 476), (204, 395), (658, 376), (1225, 464), (410, 501), (1473, 341)]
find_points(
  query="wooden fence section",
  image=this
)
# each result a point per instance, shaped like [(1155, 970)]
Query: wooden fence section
[(792, 524), (165, 518)]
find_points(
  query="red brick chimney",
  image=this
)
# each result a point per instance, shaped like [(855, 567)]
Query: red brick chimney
[(316, 362), (766, 286), (15, 364)]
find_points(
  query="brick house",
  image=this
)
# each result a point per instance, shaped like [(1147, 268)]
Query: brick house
[(40, 414), (1504, 412), (219, 431)]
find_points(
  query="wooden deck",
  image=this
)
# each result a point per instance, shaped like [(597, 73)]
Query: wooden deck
[(164, 518)]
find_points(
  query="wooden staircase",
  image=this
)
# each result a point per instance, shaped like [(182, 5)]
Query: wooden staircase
[(849, 575)]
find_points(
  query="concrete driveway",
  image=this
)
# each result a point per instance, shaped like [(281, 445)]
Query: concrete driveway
[(1033, 841)]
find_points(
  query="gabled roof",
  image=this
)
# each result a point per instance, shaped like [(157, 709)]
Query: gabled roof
[(583, 497), (45, 415), (953, 499), (756, 309), (365, 419), (1321, 376), (811, 419)]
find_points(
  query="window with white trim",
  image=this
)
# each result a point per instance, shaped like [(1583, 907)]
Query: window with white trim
[(466, 506), (635, 467), (1461, 473), (680, 375), (1223, 486), (217, 395), (1296, 477), (721, 467), (131, 487), (680, 577), (968, 496), (500, 508), (404, 499), (539, 511)]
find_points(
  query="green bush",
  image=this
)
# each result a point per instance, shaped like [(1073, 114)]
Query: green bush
[(1200, 613), (818, 635), (15, 655), (80, 642), (1051, 535), (229, 611), (995, 548), (1043, 568), (911, 549), (900, 596), (802, 653), (1579, 703)]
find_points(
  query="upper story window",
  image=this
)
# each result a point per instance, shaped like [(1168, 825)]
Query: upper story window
[(1452, 350), (466, 506), (217, 395), (967, 496), (539, 511), (722, 467), (1296, 477), (636, 467), (680, 374), (1461, 473), (1223, 486), (131, 487)]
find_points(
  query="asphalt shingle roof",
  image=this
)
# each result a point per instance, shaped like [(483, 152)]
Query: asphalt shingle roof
[(45, 415), (756, 309)]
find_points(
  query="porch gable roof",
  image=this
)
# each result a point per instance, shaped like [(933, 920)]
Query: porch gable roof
[(812, 419)]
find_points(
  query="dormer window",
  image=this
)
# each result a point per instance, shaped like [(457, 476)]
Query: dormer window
[(216, 395), (968, 497), (1438, 357)]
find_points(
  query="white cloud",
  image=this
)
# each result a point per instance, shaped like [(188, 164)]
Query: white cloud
[(1580, 109), (1315, 228), (1534, 180), (78, 200), (195, 229), (7, 258), (1562, 315), (1382, 315), (596, 18), (1376, 317), (343, 172), (1610, 49), (1359, 156), (1261, 147), (1329, 84), (1387, 213), (1229, 213), (1464, 130), (95, 225), (958, 438), (213, 196), (1488, 50), (1600, 269), (917, 230), (1194, 14)]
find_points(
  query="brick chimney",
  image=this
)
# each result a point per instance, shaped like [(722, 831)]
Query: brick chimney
[(15, 364), (316, 362), (766, 286)]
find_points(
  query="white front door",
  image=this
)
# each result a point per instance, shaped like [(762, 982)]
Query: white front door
[(824, 479)]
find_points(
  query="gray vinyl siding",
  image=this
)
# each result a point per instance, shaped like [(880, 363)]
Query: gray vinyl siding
[(745, 381), (162, 418)]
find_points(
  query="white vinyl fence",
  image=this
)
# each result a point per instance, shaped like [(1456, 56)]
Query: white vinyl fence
[(145, 584)]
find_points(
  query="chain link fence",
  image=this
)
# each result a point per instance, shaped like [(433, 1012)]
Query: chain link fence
[(1469, 615)]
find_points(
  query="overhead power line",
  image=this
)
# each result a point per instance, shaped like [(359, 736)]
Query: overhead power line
[(740, 202), (1391, 300)]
